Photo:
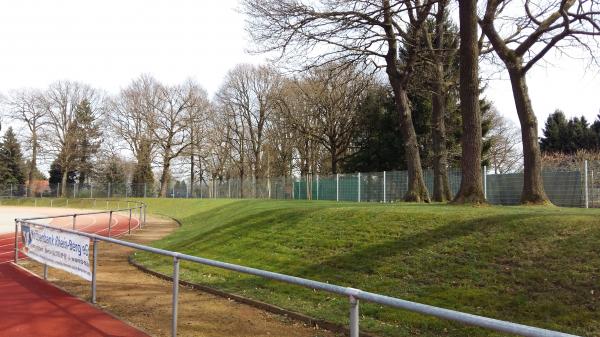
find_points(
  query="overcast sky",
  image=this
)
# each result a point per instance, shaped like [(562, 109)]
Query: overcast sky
[(107, 43)]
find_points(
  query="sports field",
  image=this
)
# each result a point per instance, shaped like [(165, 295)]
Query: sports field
[(531, 265)]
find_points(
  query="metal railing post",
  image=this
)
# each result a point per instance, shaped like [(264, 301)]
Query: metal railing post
[(109, 222), (175, 295), (74, 220), (45, 271), (144, 190), (16, 241), (140, 218), (95, 265), (129, 224), (109, 190), (354, 317), (92, 192)]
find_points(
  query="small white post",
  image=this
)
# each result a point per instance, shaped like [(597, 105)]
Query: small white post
[(384, 195), (173, 196), (585, 172), (337, 187), (592, 184), (358, 186), (91, 191), (485, 182)]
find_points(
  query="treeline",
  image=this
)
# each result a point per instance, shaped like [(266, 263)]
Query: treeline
[(570, 136), (259, 124)]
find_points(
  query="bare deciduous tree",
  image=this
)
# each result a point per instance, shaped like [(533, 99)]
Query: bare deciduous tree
[(521, 34), (331, 97), (249, 95), (60, 102), (504, 154), (25, 106), (170, 123)]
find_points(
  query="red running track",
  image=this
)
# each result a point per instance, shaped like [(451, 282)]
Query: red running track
[(32, 307)]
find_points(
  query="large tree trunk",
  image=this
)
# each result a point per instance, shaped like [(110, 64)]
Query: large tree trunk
[(63, 182), (417, 191), (441, 187), (533, 185), (32, 165), (164, 176), (471, 184), (334, 160)]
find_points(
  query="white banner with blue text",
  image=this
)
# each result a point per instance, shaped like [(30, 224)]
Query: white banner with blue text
[(66, 251)]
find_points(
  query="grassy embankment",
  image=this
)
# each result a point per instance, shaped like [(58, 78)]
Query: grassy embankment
[(532, 265)]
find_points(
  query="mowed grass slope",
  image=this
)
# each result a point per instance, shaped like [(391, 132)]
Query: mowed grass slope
[(532, 265)]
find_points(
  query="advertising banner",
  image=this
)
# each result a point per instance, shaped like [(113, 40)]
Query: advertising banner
[(66, 251)]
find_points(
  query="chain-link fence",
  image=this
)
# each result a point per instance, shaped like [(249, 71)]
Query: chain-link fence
[(575, 185)]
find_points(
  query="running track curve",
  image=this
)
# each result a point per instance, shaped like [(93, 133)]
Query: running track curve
[(30, 306)]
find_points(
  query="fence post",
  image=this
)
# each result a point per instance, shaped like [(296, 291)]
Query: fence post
[(173, 196), (592, 183), (585, 172), (108, 190), (354, 317), (74, 220), (175, 295), (358, 186), (485, 181), (11, 190), (91, 191), (95, 263), (384, 195), (337, 187), (144, 190), (317, 187)]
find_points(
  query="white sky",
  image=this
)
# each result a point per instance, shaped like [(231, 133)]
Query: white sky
[(107, 43)]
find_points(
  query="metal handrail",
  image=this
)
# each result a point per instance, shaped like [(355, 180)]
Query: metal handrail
[(354, 295)]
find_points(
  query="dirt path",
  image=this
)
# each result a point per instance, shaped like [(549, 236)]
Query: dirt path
[(145, 301)]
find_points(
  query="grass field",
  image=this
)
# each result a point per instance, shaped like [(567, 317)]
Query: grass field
[(532, 265)]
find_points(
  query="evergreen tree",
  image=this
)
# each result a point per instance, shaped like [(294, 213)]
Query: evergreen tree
[(569, 136), (11, 159), (88, 139), (55, 176)]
